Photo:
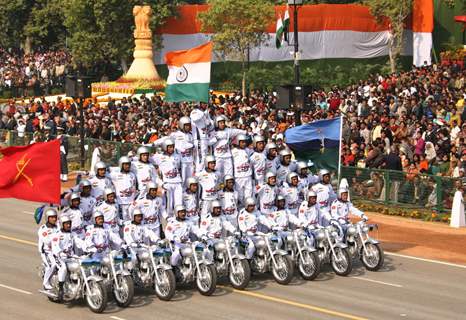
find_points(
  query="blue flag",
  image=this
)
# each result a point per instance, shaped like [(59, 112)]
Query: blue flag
[(38, 213)]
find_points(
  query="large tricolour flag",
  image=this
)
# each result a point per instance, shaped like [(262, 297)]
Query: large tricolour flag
[(189, 74)]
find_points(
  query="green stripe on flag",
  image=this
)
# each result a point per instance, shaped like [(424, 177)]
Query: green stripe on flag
[(328, 159), (187, 92)]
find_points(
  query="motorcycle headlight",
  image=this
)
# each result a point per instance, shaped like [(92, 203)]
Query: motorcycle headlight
[(106, 260), (73, 266), (365, 229), (220, 246), (320, 235), (351, 230), (129, 265), (289, 238), (144, 255), (186, 252), (74, 276), (260, 244)]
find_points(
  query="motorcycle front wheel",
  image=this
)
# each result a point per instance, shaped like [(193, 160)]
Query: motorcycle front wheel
[(310, 268), (206, 280), (165, 287), (341, 262), (373, 257), (97, 299), (240, 279), (283, 272), (124, 295)]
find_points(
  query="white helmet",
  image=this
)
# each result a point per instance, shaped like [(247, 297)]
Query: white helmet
[(209, 158), (179, 208), (151, 185), (64, 219), (269, 175), (228, 177), (51, 212), (342, 190), (284, 153), (75, 196), (249, 202), (290, 176), (135, 212), (191, 180), (311, 193), (215, 204), (257, 139), (269, 146), (108, 191), (218, 119), (122, 160), (280, 198), (142, 150), (84, 183), (97, 213), (301, 165), (100, 165), (183, 121), (322, 173), (241, 137), (166, 143)]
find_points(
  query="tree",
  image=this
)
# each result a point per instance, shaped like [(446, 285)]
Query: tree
[(238, 25), (396, 11), (14, 14)]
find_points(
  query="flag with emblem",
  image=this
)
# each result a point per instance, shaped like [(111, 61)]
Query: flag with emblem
[(189, 74), (31, 172), (318, 141), (38, 213)]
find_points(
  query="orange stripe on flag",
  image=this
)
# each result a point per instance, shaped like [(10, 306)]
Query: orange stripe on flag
[(202, 53), (423, 15)]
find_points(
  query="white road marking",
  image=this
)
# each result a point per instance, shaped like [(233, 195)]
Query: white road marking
[(379, 282), (28, 212), (116, 318), (426, 260), (15, 289)]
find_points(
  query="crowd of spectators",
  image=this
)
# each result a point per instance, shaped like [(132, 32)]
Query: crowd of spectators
[(32, 74)]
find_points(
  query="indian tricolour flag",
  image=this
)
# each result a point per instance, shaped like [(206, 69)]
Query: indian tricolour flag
[(189, 74)]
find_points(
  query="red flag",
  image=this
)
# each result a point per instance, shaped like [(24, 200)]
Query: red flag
[(31, 172)]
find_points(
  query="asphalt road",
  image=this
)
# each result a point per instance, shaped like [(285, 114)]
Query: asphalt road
[(404, 289)]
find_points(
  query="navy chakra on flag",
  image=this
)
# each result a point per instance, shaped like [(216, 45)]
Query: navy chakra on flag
[(181, 74)]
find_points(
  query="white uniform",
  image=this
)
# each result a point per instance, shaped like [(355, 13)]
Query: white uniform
[(135, 235), (44, 245), (325, 194), (125, 189), (215, 227), (100, 240), (111, 212), (87, 206), (258, 162), (229, 201), (169, 167), (310, 215), (271, 165), (292, 198), (153, 210), (64, 245), (282, 172), (179, 232), (202, 130), (340, 211), (98, 186), (144, 172), (282, 218), (77, 222), (266, 195), (209, 183), (221, 141), (191, 203), (242, 173), (249, 222), (184, 145)]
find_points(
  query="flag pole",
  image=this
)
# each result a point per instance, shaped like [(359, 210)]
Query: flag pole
[(339, 148)]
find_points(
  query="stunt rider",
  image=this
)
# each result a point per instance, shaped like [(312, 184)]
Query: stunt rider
[(209, 182), (281, 219), (110, 210), (100, 238), (267, 192), (341, 210), (75, 214), (45, 234), (143, 169), (191, 201), (229, 200), (125, 186), (99, 181)]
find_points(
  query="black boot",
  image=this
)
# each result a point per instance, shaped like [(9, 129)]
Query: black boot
[(60, 291)]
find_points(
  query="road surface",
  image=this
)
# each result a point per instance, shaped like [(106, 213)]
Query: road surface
[(405, 288)]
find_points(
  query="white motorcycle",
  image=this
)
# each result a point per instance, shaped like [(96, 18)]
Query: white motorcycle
[(304, 256), (80, 282), (229, 262), (364, 247)]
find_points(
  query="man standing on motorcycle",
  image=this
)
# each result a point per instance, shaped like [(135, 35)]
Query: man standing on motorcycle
[(281, 218), (286, 166), (215, 225), (44, 244), (290, 192), (100, 181), (242, 168), (249, 220), (325, 193), (229, 200), (267, 192), (341, 210), (184, 145), (258, 160), (125, 185), (209, 182), (143, 169), (100, 238), (271, 162), (76, 216), (87, 201), (191, 201), (110, 209), (306, 180)]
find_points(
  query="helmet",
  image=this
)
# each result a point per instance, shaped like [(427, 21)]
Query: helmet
[(269, 174), (280, 198), (96, 214), (100, 165), (166, 143), (290, 176), (63, 219), (311, 193), (249, 202), (269, 146), (208, 159), (85, 183), (179, 208), (135, 212), (142, 150), (342, 190), (218, 119), (257, 139), (151, 185), (241, 137), (122, 160), (227, 177), (279, 137), (183, 121), (50, 212), (215, 204), (322, 173), (108, 191), (301, 165), (284, 153), (191, 180), (74, 196)]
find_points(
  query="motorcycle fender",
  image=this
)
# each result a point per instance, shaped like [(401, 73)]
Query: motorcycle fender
[(371, 240), (238, 256), (280, 252), (341, 245), (94, 278), (124, 273), (164, 267)]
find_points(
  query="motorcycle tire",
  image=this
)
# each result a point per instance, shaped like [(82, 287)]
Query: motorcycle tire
[(314, 263), (344, 255), (211, 274), (370, 265), (126, 282), (288, 267), (167, 294), (100, 305), (246, 274)]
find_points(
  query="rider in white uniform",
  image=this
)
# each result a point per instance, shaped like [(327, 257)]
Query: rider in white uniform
[(124, 182), (87, 202), (242, 168), (286, 166), (291, 193), (209, 182), (76, 216), (111, 211), (143, 169), (258, 160), (191, 201), (44, 244), (184, 145), (202, 131), (229, 200), (100, 181), (267, 193)]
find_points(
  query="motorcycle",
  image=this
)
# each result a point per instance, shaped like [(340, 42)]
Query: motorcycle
[(117, 278), (303, 255), (195, 266), (229, 262), (154, 270), (80, 282), (269, 257), (331, 250), (364, 247)]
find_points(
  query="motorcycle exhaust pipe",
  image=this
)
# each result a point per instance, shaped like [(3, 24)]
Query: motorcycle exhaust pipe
[(49, 294)]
